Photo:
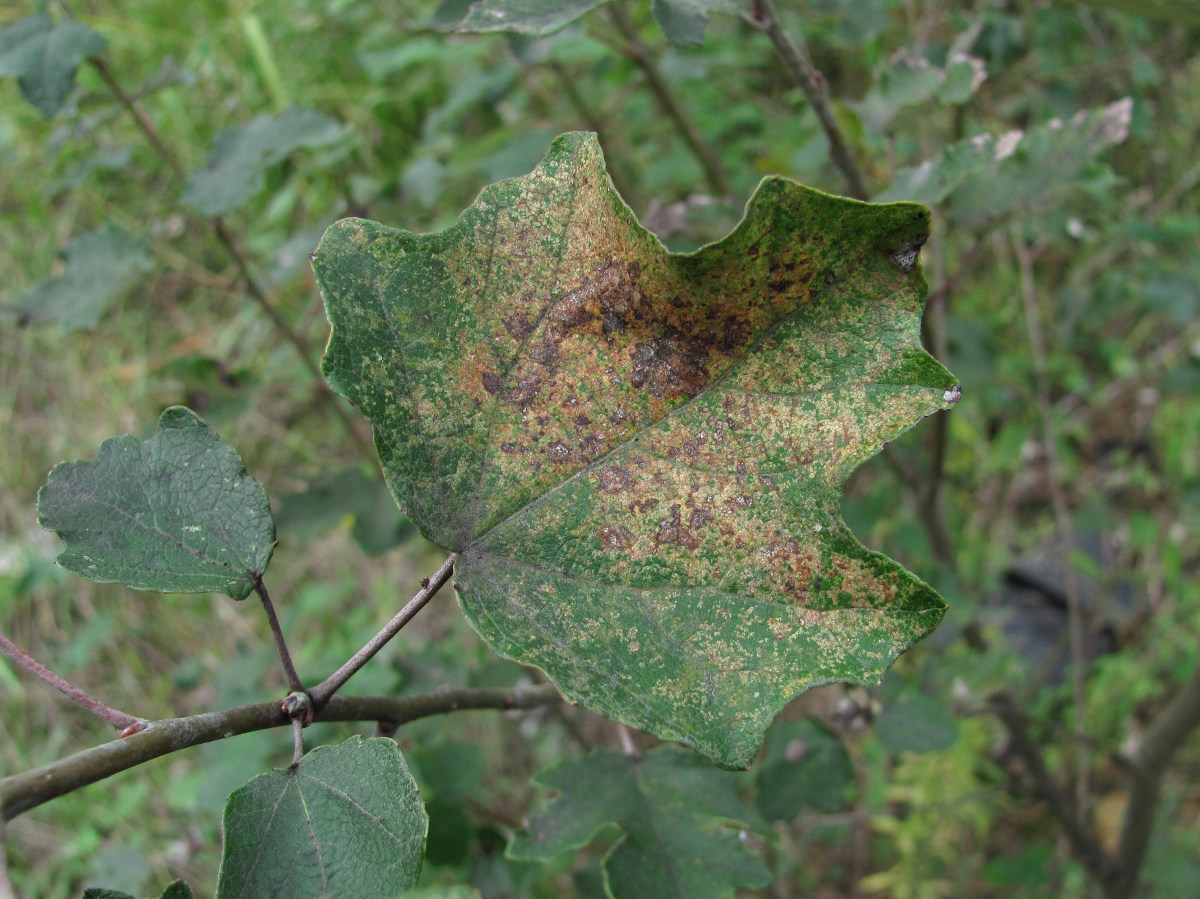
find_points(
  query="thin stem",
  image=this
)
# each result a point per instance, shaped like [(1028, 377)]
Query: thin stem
[(29, 789), (289, 669), (324, 690), (793, 53), (6, 887), (226, 239), (105, 713), (1062, 517), (1084, 846), (1164, 737), (714, 169), (297, 741)]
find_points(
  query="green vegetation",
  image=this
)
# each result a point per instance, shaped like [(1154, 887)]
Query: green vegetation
[(166, 179)]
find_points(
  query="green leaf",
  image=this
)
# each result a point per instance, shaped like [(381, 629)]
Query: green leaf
[(176, 513), (679, 818), (236, 167), (1171, 10), (346, 822), (331, 496), (450, 892), (806, 765), (45, 57), (639, 455), (176, 890), (684, 21), (913, 722), (101, 268), (985, 178), (534, 17)]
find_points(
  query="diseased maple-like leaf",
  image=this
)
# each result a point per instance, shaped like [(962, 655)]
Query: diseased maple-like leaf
[(639, 455)]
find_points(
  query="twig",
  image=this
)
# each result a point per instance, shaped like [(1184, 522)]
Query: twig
[(1062, 517), (217, 223), (1164, 737), (289, 669), (1084, 846), (793, 53), (105, 713), (321, 693), (29, 789), (6, 887), (714, 169)]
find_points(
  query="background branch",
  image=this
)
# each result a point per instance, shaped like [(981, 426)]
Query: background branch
[(29, 789)]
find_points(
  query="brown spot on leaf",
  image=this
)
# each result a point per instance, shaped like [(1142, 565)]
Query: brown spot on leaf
[(615, 537), (615, 479), (518, 325), (671, 530), (491, 381)]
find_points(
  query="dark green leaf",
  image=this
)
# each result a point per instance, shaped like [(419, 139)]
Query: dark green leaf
[(535, 17), (679, 817), (451, 892), (684, 21), (45, 57), (640, 455), (176, 513), (176, 890), (450, 770), (346, 822), (101, 268), (236, 168), (806, 765), (913, 722)]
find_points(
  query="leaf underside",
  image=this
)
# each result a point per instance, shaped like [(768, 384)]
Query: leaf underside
[(639, 455), (175, 513)]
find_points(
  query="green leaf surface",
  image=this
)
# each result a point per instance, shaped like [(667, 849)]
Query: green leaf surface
[(346, 822), (679, 818), (334, 495), (984, 178), (533, 17), (913, 722), (176, 890), (101, 268), (44, 58), (684, 21), (175, 513), (639, 455), (806, 765), (236, 167)]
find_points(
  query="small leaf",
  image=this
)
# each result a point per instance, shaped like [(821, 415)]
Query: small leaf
[(236, 168), (176, 513), (684, 21), (175, 890), (640, 455), (45, 57), (333, 495), (346, 822), (533, 17), (913, 722), (984, 178), (101, 268), (679, 817), (806, 765)]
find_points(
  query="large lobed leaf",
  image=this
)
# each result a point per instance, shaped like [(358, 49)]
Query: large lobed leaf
[(639, 455), (678, 816), (175, 513)]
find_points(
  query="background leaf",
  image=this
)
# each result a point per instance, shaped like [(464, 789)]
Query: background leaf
[(176, 890), (913, 722), (806, 765), (346, 822), (678, 815), (175, 513), (533, 17), (640, 455), (44, 57), (236, 167), (684, 21), (102, 267)]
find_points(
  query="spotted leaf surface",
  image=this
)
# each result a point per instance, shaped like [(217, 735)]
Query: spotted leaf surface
[(639, 455)]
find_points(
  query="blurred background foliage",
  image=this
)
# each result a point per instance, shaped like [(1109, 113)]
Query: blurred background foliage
[(1055, 142)]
